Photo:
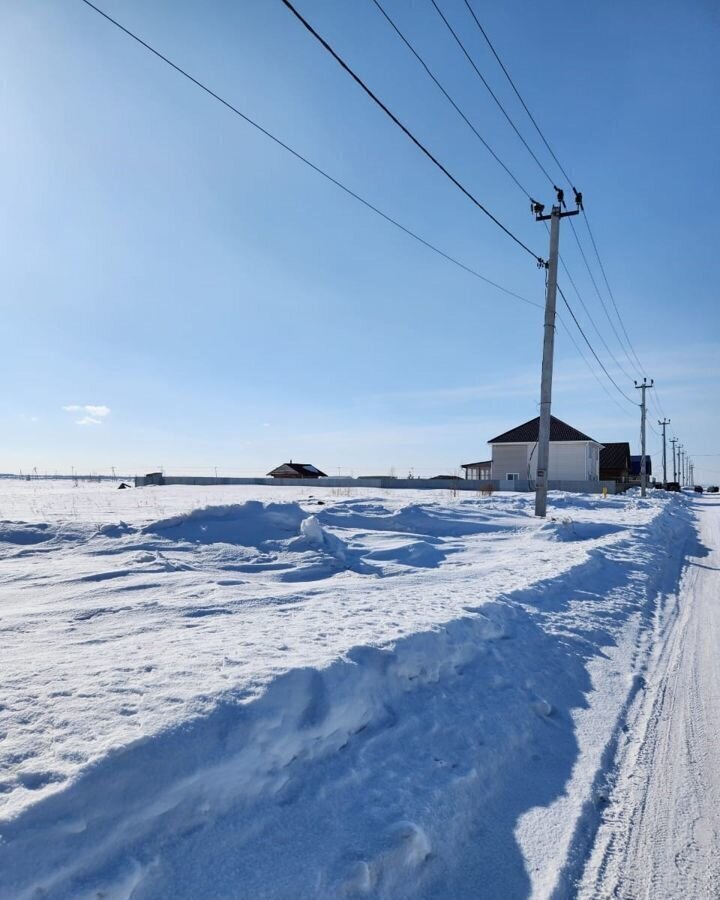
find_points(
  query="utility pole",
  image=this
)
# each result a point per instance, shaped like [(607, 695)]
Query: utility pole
[(543, 447), (673, 442), (664, 423), (692, 475), (643, 414), (680, 464)]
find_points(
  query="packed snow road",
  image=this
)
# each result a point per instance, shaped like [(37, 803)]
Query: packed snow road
[(660, 837), (294, 694)]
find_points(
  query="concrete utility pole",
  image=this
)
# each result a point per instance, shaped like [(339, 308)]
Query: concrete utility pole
[(643, 414), (673, 442), (543, 447), (664, 423), (680, 464)]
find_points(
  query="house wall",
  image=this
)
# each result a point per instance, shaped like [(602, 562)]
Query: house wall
[(569, 461), (507, 458), (593, 464)]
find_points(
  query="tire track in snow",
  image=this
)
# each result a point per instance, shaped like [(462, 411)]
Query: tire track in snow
[(660, 837)]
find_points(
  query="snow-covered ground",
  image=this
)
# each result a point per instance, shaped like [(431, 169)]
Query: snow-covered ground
[(660, 835), (271, 692)]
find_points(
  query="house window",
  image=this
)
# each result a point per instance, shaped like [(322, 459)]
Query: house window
[(512, 476)]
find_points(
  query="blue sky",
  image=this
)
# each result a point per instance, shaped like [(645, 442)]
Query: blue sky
[(216, 303)]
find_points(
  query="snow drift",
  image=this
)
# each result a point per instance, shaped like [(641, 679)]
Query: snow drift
[(425, 712)]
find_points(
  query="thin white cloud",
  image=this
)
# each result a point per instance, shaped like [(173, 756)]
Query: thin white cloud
[(92, 414)]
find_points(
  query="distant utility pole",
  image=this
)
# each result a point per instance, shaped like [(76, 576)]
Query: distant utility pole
[(692, 475), (673, 442), (543, 447), (643, 414), (664, 423), (680, 464)]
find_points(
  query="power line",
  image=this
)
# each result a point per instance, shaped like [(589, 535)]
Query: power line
[(587, 363), (357, 197), (589, 315), (308, 163), (449, 98), (570, 182), (341, 62), (530, 151), (517, 94), (490, 90), (587, 312), (592, 349), (602, 302), (612, 296)]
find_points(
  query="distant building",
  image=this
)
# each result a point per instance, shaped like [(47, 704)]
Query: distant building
[(635, 466), (574, 456), (446, 478), (479, 471), (615, 462), (296, 470)]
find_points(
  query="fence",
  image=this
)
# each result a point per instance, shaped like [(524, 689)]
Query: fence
[(433, 484)]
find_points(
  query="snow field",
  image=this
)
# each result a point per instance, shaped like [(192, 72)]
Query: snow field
[(371, 696)]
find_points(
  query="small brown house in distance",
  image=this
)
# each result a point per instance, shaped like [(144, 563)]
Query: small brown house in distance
[(296, 470), (615, 462)]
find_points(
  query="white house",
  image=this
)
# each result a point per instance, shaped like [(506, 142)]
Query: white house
[(573, 455)]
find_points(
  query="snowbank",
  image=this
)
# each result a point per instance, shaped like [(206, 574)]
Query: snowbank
[(377, 699)]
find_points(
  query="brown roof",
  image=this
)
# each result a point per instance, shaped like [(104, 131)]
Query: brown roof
[(615, 456), (304, 470), (485, 462), (528, 432)]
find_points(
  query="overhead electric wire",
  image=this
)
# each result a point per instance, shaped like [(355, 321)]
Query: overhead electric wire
[(341, 62), (359, 81), (489, 89), (310, 164), (602, 301), (587, 363), (592, 349), (517, 94), (449, 98), (359, 198), (429, 72), (589, 315), (641, 368), (587, 312), (658, 405), (612, 296)]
